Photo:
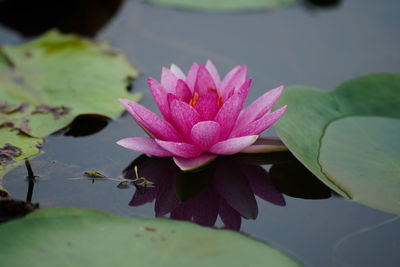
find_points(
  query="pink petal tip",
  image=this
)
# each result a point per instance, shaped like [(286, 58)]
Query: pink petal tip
[(144, 145), (194, 163)]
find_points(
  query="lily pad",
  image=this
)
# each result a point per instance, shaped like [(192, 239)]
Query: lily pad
[(14, 148), (49, 81), (73, 237), (349, 137), (224, 5), (367, 161)]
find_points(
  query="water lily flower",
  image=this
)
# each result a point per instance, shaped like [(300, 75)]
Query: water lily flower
[(203, 115)]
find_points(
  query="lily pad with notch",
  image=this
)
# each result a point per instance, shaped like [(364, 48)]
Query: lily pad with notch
[(349, 137)]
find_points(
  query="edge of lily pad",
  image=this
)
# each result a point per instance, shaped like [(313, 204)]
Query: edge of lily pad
[(341, 89), (193, 7), (152, 226)]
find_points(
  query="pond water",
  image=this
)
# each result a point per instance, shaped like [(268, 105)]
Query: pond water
[(301, 44)]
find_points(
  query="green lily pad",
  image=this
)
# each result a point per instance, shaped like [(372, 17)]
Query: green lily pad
[(73, 237), (346, 137), (224, 5), (46, 83), (374, 142), (49, 81), (14, 148)]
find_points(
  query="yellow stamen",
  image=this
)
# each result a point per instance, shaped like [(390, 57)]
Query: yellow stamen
[(219, 100), (194, 99)]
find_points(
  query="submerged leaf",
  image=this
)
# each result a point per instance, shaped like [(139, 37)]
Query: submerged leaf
[(346, 137)]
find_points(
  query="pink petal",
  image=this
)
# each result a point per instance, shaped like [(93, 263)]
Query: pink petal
[(205, 134), (258, 126), (244, 90), (192, 76), (233, 145), (266, 144), (151, 122), (183, 92), (259, 107), (207, 105), (184, 116), (170, 98), (183, 150), (234, 82), (144, 145), (168, 80), (204, 81), (189, 164), (177, 71), (228, 114), (160, 97), (229, 76), (213, 71)]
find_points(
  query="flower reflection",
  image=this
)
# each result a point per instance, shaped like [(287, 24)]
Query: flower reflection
[(227, 188)]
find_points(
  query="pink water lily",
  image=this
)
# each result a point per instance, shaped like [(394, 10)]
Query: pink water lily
[(203, 116)]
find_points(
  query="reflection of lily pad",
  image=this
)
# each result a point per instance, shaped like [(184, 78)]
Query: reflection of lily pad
[(349, 137), (72, 237), (224, 5), (46, 83), (14, 147)]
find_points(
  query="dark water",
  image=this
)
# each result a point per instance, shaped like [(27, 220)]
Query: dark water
[(301, 44)]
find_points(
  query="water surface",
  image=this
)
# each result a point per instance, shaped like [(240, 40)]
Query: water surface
[(319, 47)]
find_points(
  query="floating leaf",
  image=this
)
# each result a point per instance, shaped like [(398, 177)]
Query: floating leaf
[(74, 237), (349, 137), (224, 5), (371, 165), (46, 83), (14, 148)]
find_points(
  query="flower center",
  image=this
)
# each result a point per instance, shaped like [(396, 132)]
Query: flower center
[(210, 91)]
